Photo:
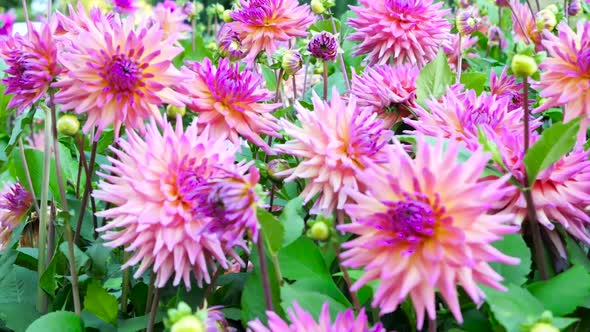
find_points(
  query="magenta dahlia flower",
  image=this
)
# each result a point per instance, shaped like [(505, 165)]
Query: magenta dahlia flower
[(160, 214), (323, 45), (125, 6), (7, 23), (32, 65), (229, 44), (458, 115), (389, 91), (232, 102), (336, 140), (506, 86), (565, 76), (263, 24), (561, 192), (118, 74), (15, 202), (417, 232), (302, 321), (400, 30)]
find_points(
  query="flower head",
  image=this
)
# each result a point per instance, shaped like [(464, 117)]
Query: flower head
[(302, 321), (323, 45), (565, 76), (335, 141), (496, 37), (15, 201), (524, 24), (232, 102), (118, 74), (157, 208), (6, 23), (262, 24), (32, 66), (389, 91), (417, 232), (402, 30), (229, 44), (574, 8), (506, 86), (458, 116), (171, 19), (125, 6), (467, 21), (292, 62)]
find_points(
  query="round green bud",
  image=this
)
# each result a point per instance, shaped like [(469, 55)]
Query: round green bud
[(320, 231), (172, 111), (188, 324), (317, 6), (543, 327), (227, 16), (545, 19), (219, 9), (553, 8), (275, 166), (523, 65), (68, 124)]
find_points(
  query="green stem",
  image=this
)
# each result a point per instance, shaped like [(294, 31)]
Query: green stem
[(154, 311), (460, 60), (28, 175), (325, 75), (125, 291), (64, 206), (264, 272), (44, 215)]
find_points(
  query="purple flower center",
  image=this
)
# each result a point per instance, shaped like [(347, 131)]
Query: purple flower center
[(412, 220), (124, 74), (123, 3), (16, 199)]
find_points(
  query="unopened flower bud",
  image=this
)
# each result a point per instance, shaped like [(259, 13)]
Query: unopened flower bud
[(276, 166), (545, 19), (188, 324), (544, 327), (189, 9), (553, 8), (68, 124), (323, 46), (523, 65), (320, 231), (219, 9), (496, 37), (467, 21), (292, 62), (172, 111), (317, 7), (227, 16), (574, 8), (229, 44)]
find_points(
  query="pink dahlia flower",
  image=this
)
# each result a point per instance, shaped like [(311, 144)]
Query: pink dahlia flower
[(426, 227), (171, 20), (125, 6), (6, 23), (118, 74), (389, 91), (565, 76), (15, 202), (400, 30), (458, 115), (506, 86), (302, 321), (336, 140), (263, 24), (160, 215), (561, 192), (524, 24), (32, 65), (232, 102), (229, 44)]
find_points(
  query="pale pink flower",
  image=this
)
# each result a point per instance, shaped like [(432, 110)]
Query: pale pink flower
[(118, 73), (425, 227), (232, 102), (401, 31), (171, 20), (524, 24), (6, 23), (159, 213), (335, 141), (264, 24), (302, 321)]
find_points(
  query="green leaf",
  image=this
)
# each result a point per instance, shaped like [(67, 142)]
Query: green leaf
[(514, 307), (433, 79), (575, 254), (325, 25), (58, 321), (335, 80), (18, 291), (48, 280), (309, 300), (562, 322), (513, 245), (563, 293), (80, 258), (273, 231), (102, 304), (474, 81), (325, 286), (18, 316), (302, 259), (292, 220), (270, 77), (136, 323), (35, 162), (21, 122), (554, 143)]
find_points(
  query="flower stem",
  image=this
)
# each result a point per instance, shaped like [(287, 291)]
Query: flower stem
[(87, 189), (64, 205), (150, 292), (460, 60), (530, 204), (341, 57), (294, 88), (154, 311), (325, 74), (28, 175), (432, 325), (264, 272), (125, 286), (43, 215), (355, 300), (26, 14), (305, 76)]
